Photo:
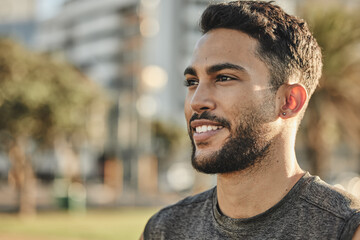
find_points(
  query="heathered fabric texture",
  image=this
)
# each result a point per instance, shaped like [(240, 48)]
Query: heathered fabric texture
[(311, 210)]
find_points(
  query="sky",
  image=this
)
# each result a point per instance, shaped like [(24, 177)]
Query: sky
[(48, 8)]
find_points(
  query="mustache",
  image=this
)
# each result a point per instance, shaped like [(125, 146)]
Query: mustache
[(211, 117)]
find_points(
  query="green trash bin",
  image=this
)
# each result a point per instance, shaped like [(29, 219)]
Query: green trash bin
[(77, 197), (61, 193)]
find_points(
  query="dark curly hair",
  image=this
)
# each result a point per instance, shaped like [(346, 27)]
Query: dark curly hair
[(286, 44)]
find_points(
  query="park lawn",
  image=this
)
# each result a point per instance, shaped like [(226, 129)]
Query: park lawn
[(123, 223)]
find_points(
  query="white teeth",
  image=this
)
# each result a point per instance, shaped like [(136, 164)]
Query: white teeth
[(205, 128)]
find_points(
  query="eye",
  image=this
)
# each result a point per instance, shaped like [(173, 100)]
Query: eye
[(191, 82), (224, 78)]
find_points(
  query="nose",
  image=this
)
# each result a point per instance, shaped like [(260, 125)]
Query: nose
[(203, 99)]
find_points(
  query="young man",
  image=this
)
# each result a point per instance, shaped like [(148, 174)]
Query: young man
[(249, 83)]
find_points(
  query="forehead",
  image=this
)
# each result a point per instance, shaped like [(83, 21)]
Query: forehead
[(226, 45)]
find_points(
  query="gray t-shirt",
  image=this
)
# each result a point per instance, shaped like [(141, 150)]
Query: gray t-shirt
[(311, 210)]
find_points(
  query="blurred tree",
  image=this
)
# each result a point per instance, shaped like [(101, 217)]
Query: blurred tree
[(333, 115), (41, 101), (167, 139)]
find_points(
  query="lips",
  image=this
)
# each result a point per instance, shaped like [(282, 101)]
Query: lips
[(204, 129)]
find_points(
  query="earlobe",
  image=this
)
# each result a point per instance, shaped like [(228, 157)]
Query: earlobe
[(295, 98)]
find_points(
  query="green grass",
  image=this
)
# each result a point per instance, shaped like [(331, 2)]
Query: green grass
[(124, 223)]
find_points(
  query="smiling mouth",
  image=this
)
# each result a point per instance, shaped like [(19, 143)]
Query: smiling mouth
[(204, 132), (204, 129)]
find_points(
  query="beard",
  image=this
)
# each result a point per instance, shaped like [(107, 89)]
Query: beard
[(245, 147)]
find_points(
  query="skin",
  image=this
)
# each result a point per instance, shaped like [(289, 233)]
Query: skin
[(357, 234), (263, 185)]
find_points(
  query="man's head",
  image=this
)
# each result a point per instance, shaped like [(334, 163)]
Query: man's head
[(253, 64)]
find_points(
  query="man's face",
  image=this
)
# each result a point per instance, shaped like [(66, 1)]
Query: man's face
[(229, 106)]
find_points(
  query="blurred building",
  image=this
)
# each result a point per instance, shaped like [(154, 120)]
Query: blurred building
[(102, 39), (18, 20)]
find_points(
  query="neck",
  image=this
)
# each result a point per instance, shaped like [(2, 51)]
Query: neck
[(252, 191)]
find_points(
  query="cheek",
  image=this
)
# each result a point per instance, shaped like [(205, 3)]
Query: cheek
[(239, 112), (187, 109)]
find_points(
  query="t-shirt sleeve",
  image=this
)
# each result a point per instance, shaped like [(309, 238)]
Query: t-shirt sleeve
[(350, 226), (148, 228), (153, 228)]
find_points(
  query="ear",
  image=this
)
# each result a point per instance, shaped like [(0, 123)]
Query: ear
[(294, 97)]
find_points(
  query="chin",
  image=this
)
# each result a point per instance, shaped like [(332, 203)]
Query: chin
[(205, 162), (205, 154)]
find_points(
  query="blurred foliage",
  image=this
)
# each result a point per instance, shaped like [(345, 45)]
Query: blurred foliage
[(167, 138), (333, 115), (41, 101), (39, 97)]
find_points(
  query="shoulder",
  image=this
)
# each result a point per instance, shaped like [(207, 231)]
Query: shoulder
[(337, 201), (181, 212), (333, 202)]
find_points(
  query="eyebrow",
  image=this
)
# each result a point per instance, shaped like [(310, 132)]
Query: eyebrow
[(216, 68), (222, 66), (190, 70)]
